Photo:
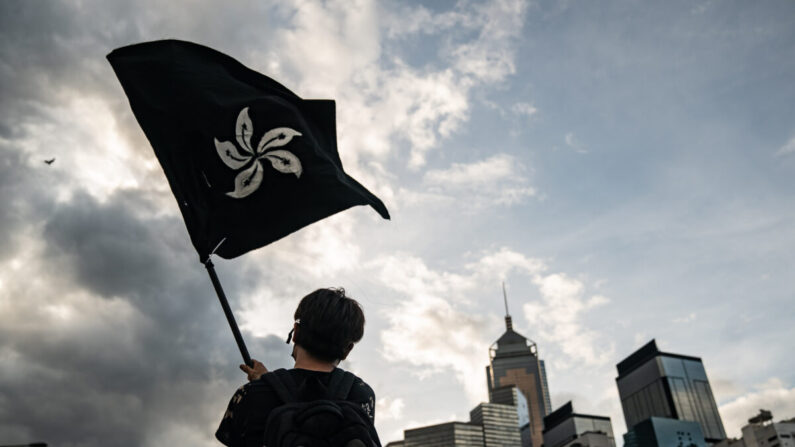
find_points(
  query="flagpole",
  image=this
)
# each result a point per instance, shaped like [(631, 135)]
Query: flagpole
[(228, 312)]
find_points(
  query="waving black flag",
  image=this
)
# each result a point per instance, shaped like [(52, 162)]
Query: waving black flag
[(249, 161)]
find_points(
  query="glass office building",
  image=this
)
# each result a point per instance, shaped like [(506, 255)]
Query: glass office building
[(659, 384), (665, 432)]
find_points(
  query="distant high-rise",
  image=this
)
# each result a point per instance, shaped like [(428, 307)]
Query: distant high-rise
[(490, 425), (653, 383), (514, 361), (563, 427), (450, 434), (510, 395), (761, 431), (500, 424)]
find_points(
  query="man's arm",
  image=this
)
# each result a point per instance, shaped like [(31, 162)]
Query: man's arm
[(232, 430)]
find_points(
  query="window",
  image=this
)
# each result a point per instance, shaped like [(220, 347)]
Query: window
[(684, 407), (707, 403)]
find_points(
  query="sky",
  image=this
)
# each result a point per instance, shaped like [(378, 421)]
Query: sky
[(626, 168)]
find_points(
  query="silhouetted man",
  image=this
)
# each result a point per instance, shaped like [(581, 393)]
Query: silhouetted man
[(327, 325)]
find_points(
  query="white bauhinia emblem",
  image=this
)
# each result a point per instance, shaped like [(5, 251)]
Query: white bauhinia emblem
[(249, 179)]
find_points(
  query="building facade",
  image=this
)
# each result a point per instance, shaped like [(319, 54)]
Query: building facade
[(589, 439), (763, 432), (564, 427), (449, 434), (510, 395), (500, 424), (665, 432), (658, 384), (513, 360)]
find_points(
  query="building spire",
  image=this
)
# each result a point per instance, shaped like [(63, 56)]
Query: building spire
[(508, 321)]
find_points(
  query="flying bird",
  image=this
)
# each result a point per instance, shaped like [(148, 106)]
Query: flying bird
[(49, 162)]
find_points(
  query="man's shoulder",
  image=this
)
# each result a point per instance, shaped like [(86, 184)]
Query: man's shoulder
[(298, 376), (362, 394), (360, 385)]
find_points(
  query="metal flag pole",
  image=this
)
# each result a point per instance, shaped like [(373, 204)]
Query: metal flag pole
[(228, 312)]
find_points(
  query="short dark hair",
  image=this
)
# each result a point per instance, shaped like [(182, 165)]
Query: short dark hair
[(329, 323)]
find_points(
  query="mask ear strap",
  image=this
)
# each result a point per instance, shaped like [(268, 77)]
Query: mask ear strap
[(290, 335)]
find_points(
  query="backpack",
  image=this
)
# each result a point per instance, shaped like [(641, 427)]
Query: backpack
[(328, 422)]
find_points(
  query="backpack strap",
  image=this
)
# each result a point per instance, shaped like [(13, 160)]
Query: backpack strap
[(282, 384), (339, 385)]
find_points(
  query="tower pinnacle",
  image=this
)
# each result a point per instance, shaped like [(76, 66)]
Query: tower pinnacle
[(508, 321)]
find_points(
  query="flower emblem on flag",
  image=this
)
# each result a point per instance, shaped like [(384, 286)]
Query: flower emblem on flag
[(249, 179)]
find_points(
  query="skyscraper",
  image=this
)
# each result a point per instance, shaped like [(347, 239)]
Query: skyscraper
[(450, 434), (653, 383), (514, 361), (563, 427), (665, 432), (510, 395), (500, 424)]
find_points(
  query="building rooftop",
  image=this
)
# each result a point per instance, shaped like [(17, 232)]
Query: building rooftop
[(441, 425), (643, 355), (563, 413), (511, 337)]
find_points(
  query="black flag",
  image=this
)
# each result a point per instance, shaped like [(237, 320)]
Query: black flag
[(249, 161)]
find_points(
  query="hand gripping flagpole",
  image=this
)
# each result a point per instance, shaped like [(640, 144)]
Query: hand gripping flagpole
[(228, 312)]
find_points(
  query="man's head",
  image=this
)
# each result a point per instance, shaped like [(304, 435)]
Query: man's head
[(330, 323)]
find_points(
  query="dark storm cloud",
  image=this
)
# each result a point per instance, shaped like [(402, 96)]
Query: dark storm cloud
[(139, 345), (113, 253), (150, 339), (52, 51), (22, 193), (101, 381)]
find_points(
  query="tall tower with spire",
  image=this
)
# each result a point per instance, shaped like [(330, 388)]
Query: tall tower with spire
[(513, 361)]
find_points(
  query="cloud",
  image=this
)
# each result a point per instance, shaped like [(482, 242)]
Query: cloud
[(105, 161), (491, 57), (558, 318), (524, 109), (787, 149), (109, 323), (387, 101), (428, 332), (405, 21), (435, 328), (773, 395), (497, 180), (574, 143), (389, 408), (500, 263), (689, 318), (108, 315)]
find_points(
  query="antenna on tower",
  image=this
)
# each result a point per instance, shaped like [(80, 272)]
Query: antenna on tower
[(505, 298), (508, 321)]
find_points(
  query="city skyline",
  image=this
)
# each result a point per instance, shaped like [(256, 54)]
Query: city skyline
[(664, 386), (626, 169)]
